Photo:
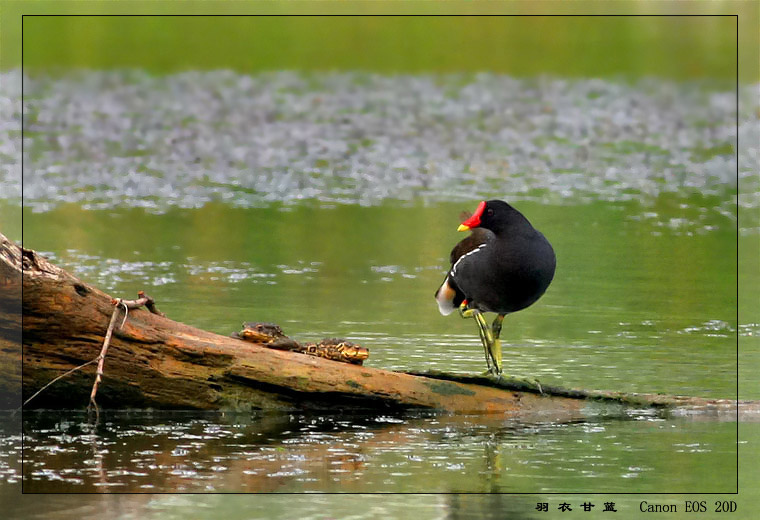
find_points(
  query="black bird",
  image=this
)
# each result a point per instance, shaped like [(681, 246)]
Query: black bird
[(503, 266)]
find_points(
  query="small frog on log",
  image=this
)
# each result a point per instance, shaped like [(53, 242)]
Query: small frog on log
[(271, 335)]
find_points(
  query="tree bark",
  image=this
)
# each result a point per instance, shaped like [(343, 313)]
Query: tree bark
[(10, 324), (155, 362)]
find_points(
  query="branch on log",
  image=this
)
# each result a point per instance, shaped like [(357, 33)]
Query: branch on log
[(142, 300), (104, 349), (156, 362)]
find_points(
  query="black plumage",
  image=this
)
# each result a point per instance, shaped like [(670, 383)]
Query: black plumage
[(503, 266)]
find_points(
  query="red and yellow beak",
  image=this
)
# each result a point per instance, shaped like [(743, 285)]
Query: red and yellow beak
[(474, 220)]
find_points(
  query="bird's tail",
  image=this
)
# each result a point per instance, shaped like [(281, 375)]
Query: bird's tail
[(447, 297)]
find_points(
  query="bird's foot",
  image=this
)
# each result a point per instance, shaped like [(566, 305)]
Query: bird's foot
[(465, 311), (494, 373)]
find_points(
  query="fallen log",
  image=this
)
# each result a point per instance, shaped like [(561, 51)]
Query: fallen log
[(10, 325), (155, 362)]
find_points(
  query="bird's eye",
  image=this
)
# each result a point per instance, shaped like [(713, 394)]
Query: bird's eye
[(490, 212)]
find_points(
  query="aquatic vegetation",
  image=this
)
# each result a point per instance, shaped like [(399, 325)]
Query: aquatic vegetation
[(127, 138)]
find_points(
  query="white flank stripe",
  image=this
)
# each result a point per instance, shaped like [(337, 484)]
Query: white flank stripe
[(454, 268)]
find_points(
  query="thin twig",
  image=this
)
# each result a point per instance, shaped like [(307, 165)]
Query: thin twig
[(130, 304), (102, 357), (150, 303), (126, 313), (38, 392), (143, 299)]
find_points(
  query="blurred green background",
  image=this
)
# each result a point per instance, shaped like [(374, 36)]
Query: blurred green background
[(677, 47)]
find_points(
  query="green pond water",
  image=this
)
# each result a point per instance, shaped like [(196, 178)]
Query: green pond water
[(644, 300), (637, 305), (328, 203)]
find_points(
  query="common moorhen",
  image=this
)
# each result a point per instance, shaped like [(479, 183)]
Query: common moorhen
[(503, 266)]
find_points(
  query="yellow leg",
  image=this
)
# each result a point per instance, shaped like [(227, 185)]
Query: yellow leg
[(496, 355), (496, 330), (496, 327), (489, 343), (496, 342), (491, 346)]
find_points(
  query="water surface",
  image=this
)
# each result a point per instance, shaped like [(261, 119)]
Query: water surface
[(328, 203), (144, 452)]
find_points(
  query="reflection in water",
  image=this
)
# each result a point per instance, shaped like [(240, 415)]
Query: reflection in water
[(266, 453)]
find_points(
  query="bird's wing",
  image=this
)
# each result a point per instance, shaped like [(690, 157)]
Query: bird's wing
[(477, 238)]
